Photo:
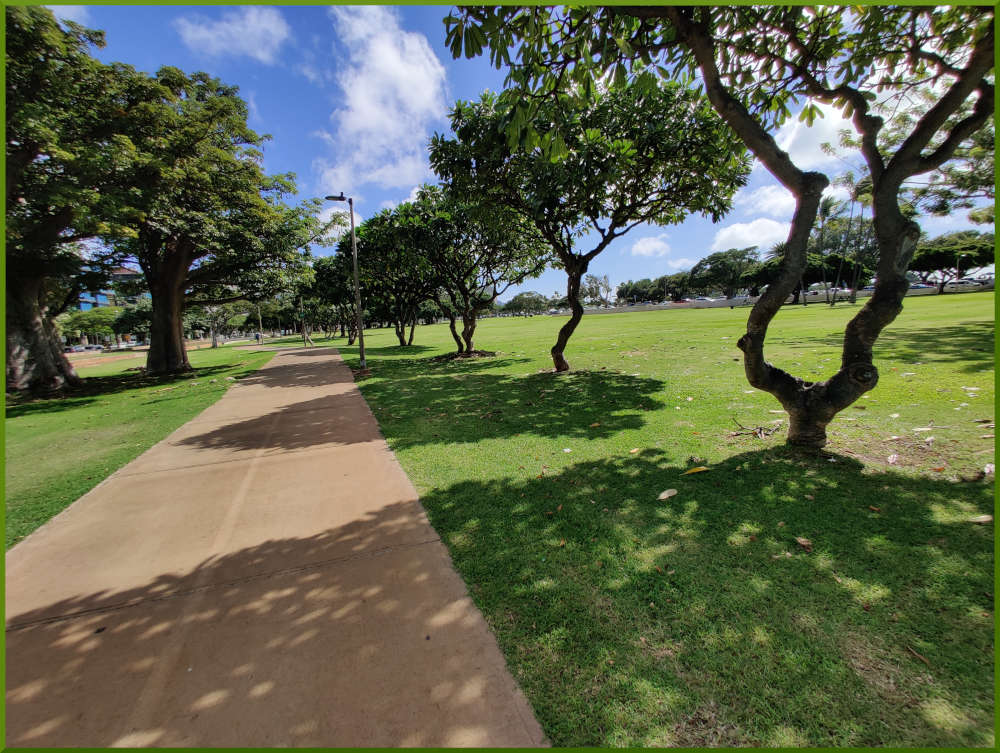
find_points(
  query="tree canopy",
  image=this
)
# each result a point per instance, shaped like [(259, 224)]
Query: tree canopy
[(600, 167), (756, 64)]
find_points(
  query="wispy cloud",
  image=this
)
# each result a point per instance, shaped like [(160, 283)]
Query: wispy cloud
[(761, 233), (394, 92), (654, 245), (255, 32), (78, 13), (774, 201)]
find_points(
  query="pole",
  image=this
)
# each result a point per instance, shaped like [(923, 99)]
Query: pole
[(357, 287)]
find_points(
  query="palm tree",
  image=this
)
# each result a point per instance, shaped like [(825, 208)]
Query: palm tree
[(829, 208)]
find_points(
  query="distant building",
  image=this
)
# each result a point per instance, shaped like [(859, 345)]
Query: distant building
[(99, 298)]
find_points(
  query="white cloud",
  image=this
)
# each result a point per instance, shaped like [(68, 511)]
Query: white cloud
[(762, 233), (657, 246), (803, 142), (256, 32), (78, 13), (774, 200), (651, 246), (390, 204), (394, 92)]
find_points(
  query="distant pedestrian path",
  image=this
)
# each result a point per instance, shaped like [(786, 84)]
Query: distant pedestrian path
[(264, 576)]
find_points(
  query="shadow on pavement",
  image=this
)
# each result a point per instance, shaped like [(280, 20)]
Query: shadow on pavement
[(362, 646)]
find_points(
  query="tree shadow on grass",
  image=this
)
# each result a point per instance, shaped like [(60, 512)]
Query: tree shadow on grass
[(971, 343), (335, 639), (465, 401), (700, 619), (100, 386)]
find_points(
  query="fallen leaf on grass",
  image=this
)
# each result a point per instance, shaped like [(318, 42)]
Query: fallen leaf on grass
[(981, 519), (780, 556), (987, 436), (874, 509), (924, 428), (595, 424), (892, 459), (939, 469), (562, 542), (559, 509), (893, 415), (633, 451), (667, 494), (696, 469), (810, 497), (804, 543)]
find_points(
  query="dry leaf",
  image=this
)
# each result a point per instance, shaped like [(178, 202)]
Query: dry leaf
[(633, 451), (981, 519), (780, 556), (804, 543), (809, 496), (986, 436), (696, 469), (595, 424), (776, 411), (558, 509), (781, 524), (938, 469), (562, 542), (919, 656), (658, 568), (892, 459), (667, 494), (874, 509)]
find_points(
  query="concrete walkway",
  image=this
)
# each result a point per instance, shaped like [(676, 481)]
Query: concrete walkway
[(264, 576)]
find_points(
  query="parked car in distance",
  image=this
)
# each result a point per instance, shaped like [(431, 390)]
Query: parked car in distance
[(958, 286), (916, 286), (704, 298)]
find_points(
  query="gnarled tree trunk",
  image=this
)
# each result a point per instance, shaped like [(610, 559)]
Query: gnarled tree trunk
[(574, 274), (468, 329), (35, 360)]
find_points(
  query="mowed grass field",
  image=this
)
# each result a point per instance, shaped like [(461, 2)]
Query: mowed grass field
[(700, 620), (59, 449), (695, 620)]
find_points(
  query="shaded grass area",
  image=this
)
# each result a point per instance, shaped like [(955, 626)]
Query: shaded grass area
[(58, 449), (699, 620)]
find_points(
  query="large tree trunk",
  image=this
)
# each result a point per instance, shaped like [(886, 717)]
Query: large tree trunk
[(35, 360), (167, 354), (574, 273), (215, 335), (413, 326), (399, 326)]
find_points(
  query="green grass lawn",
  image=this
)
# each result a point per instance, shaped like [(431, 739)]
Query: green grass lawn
[(699, 620), (59, 449)]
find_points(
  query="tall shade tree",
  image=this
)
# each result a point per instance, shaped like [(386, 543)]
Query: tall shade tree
[(205, 214), (951, 255), (69, 119), (594, 168), (396, 274), (725, 270), (477, 250), (756, 64)]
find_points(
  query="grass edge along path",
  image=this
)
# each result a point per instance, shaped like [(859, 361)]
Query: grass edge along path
[(58, 449), (778, 598)]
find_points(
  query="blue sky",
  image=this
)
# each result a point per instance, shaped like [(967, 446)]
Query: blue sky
[(351, 95)]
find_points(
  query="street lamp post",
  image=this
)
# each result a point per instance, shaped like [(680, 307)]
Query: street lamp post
[(357, 285)]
